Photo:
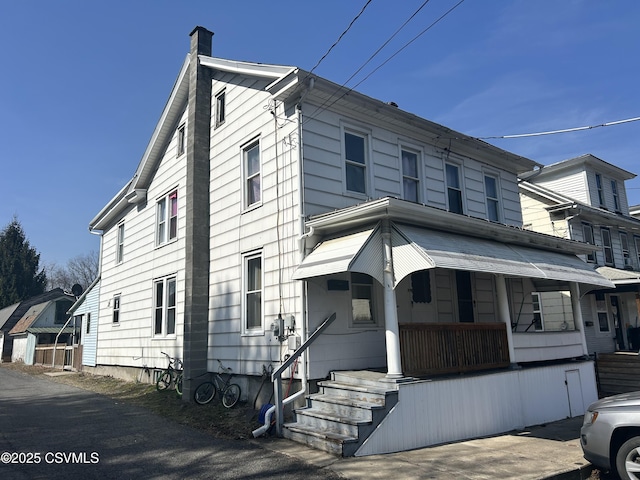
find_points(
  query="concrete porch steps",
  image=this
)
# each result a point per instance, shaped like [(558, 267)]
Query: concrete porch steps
[(340, 417)]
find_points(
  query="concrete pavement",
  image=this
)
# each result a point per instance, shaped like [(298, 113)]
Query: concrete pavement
[(543, 452)]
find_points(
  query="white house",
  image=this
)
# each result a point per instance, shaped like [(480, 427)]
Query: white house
[(585, 199), (270, 199), (85, 311)]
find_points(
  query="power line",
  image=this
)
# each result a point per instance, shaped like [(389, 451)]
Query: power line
[(323, 107), (564, 130), (341, 35)]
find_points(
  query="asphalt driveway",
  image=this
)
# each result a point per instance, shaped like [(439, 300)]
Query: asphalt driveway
[(49, 430)]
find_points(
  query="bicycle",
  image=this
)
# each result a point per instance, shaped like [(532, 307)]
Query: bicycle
[(171, 377), (229, 392)]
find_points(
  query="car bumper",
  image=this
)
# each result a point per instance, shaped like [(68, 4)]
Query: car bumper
[(594, 441)]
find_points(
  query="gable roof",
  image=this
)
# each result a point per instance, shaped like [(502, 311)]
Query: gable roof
[(29, 318), (24, 305)]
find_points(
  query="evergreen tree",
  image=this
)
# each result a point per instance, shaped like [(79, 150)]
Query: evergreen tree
[(20, 275)]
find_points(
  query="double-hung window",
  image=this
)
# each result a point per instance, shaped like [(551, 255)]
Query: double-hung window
[(253, 280), (599, 189), (355, 153), (410, 176), (454, 190), (164, 302), (616, 197), (115, 319), (120, 246), (626, 254), (361, 299), (538, 323), (180, 148), (167, 218), (493, 203), (220, 108), (607, 247), (252, 174), (602, 312), (587, 237)]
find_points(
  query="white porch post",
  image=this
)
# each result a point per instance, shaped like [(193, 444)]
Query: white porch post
[(504, 315), (392, 333), (577, 315)]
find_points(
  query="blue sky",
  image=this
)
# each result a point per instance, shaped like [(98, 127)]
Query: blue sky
[(84, 83)]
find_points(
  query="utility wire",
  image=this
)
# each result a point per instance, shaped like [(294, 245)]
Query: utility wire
[(341, 35), (323, 107), (564, 130)]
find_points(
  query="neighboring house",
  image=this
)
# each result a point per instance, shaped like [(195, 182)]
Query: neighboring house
[(634, 211), (85, 312), (585, 199), (41, 324), (10, 315), (269, 199)]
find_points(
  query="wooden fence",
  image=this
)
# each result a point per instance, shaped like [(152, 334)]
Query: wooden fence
[(439, 348), (617, 373), (66, 356)]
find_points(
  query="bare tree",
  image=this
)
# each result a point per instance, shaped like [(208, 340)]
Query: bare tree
[(81, 269)]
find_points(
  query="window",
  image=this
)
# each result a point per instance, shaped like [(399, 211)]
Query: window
[(120, 247), (606, 245), (599, 188), (626, 254), (88, 323), (537, 312), (454, 192), (220, 108), (167, 218), (421, 287), (587, 237), (164, 315), (181, 141), (601, 310), (355, 162), (637, 242), (253, 293), (491, 191), (616, 198), (410, 176), (362, 299), (251, 162), (116, 310), (62, 307)]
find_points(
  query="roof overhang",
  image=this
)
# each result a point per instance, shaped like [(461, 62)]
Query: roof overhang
[(620, 277)]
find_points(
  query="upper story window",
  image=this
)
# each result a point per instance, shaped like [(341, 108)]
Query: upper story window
[(600, 191), (587, 237), (493, 203), (120, 246), (410, 176), (355, 153), (115, 319), (362, 299), (88, 323), (252, 286), (626, 254), (220, 108), (637, 242), (62, 307), (252, 174), (538, 323), (616, 198), (181, 141), (167, 218), (164, 302), (607, 247), (454, 190)]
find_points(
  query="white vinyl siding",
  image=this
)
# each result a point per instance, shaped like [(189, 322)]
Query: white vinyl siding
[(89, 310)]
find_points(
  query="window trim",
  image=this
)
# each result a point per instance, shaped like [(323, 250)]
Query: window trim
[(120, 243), (496, 178), (220, 108), (459, 188), (246, 258), (599, 309), (590, 257), (600, 190), (181, 140), (373, 322), (116, 307), (244, 149), (607, 248), (164, 237), (616, 196), (404, 147), (626, 252), (88, 323), (366, 166), (164, 307), (538, 311)]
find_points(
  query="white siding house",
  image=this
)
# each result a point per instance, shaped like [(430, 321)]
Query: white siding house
[(86, 311), (262, 207)]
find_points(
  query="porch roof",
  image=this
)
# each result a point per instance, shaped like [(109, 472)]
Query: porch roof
[(415, 248)]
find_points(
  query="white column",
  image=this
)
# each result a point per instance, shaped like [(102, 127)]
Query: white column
[(577, 315), (392, 333), (504, 315)]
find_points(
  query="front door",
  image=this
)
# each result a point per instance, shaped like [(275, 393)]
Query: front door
[(465, 296)]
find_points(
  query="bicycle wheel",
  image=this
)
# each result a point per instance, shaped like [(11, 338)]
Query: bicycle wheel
[(204, 393), (231, 395), (164, 381), (179, 385)]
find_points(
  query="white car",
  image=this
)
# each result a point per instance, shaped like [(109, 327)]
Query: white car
[(610, 435)]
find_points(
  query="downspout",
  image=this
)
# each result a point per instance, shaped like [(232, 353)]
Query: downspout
[(303, 294)]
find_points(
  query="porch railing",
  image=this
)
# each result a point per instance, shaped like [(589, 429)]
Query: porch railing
[(434, 348), (65, 355)]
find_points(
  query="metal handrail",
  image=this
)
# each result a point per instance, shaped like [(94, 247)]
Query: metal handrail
[(276, 376)]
